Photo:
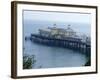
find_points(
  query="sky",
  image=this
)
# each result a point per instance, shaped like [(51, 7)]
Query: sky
[(57, 16)]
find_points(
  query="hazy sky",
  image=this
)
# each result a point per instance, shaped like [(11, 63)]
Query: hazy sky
[(55, 16)]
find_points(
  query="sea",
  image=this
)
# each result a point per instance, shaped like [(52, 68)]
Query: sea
[(53, 57)]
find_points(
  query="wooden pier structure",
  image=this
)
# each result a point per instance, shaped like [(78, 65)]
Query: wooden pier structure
[(70, 43)]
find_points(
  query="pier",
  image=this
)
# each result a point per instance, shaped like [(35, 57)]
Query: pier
[(70, 43)]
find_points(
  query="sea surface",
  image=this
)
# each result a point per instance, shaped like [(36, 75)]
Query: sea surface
[(53, 57)]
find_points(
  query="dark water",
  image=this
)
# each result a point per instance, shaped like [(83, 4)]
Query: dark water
[(51, 57)]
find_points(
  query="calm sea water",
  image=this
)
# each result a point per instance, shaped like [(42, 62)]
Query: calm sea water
[(52, 57)]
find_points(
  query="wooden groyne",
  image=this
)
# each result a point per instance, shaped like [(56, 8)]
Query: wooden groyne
[(72, 43)]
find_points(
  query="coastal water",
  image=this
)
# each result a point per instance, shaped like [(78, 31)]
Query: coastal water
[(52, 57)]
